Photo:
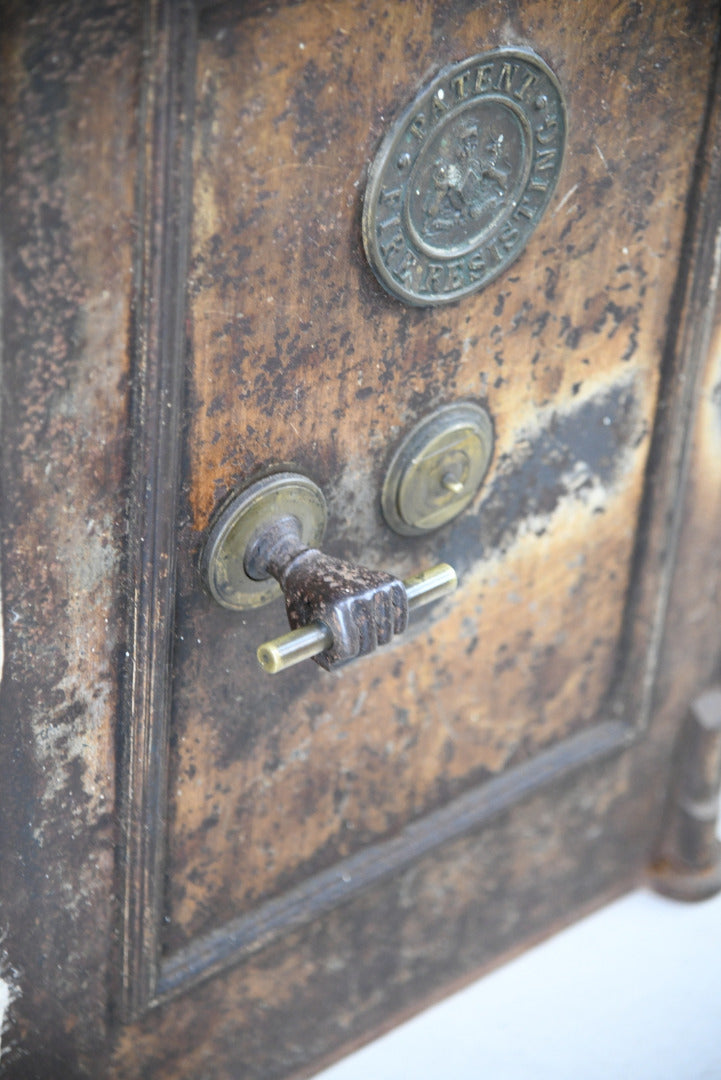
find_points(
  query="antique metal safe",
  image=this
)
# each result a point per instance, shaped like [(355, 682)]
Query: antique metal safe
[(384, 306)]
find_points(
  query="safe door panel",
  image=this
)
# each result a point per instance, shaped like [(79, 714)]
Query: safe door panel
[(298, 358)]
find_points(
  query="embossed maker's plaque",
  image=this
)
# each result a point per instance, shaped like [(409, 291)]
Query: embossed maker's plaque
[(463, 177)]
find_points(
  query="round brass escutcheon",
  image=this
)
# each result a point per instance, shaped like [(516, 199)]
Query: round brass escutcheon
[(437, 469), (222, 562)]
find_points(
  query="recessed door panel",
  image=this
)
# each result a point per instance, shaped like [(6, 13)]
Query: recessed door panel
[(298, 357)]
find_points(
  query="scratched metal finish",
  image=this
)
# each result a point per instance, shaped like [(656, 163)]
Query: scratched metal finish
[(297, 357)]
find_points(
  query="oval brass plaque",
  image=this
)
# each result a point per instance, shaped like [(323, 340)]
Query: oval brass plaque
[(463, 177)]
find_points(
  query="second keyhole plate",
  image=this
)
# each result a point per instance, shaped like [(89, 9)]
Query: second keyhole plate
[(438, 468)]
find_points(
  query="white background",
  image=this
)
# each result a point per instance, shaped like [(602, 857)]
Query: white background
[(632, 992)]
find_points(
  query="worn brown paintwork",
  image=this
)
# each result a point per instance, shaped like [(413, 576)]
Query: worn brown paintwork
[(468, 842)]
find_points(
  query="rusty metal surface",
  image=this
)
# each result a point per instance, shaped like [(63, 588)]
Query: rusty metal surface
[(469, 840), (294, 345), (69, 78), (556, 852)]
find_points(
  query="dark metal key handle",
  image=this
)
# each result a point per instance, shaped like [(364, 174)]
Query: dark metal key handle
[(263, 542)]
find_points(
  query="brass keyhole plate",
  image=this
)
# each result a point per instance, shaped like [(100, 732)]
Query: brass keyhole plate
[(437, 469), (222, 562)]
